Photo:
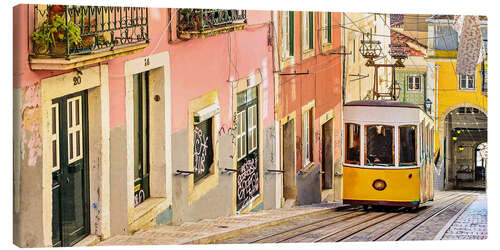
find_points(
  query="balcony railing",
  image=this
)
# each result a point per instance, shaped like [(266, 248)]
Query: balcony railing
[(87, 29), (199, 23)]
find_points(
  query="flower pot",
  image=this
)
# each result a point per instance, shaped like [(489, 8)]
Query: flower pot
[(40, 49), (88, 42), (59, 50)]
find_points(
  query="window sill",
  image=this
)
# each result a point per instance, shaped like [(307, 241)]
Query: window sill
[(61, 63), (287, 62), (308, 53), (326, 46), (466, 90)]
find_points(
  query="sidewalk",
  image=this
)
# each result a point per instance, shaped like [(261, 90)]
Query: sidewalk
[(210, 230), (472, 224)]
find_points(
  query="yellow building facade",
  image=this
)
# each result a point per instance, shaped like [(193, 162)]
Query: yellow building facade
[(460, 103)]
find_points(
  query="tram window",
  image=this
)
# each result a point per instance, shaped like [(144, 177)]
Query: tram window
[(407, 145), (352, 143), (379, 145)]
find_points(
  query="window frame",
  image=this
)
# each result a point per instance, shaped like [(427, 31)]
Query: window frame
[(307, 136), (308, 36), (413, 89), (365, 146), (406, 164), (326, 28), (287, 34), (347, 144), (54, 137), (469, 78), (197, 177)]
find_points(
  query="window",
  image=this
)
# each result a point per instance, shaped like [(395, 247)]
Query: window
[(466, 81), (75, 147), (352, 142), (408, 145), (141, 137), (203, 151), (414, 83), (55, 136), (287, 29), (467, 110), (379, 145), (307, 31), (307, 134), (247, 178), (484, 74), (327, 27), (445, 38)]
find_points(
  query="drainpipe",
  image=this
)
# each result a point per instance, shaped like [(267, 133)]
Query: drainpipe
[(343, 64), (425, 92), (436, 94)]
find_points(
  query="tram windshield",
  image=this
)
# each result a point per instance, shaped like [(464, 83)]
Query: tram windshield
[(352, 143), (379, 145), (407, 145)]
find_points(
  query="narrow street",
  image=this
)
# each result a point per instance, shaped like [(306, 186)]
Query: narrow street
[(452, 215)]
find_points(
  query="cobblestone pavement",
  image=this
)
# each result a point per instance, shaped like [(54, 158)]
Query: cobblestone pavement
[(472, 224), (210, 230)]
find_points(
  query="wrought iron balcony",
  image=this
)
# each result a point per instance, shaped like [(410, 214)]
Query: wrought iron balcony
[(199, 23), (71, 31)]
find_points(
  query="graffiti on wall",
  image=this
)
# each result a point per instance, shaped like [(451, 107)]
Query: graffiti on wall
[(203, 151), (139, 197), (200, 150), (247, 182)]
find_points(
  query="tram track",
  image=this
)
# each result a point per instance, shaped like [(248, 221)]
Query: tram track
[(356, 224)]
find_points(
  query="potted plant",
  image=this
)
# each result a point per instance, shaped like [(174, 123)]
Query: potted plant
[(51, 36)]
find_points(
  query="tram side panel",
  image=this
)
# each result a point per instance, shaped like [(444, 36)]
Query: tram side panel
[(402, 186)]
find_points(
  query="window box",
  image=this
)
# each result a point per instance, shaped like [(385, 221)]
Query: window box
[(105, 33), (201, 23)]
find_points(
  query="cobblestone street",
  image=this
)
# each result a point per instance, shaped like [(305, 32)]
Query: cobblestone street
[(453, 215), (472, 224)]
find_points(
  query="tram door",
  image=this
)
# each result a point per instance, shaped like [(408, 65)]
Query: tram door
[(70, 181)]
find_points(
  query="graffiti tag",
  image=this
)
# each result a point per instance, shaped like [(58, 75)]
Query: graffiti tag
[(200, 150), (248, 181)]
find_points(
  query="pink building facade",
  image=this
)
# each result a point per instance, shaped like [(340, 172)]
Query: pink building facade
[(174, 124)]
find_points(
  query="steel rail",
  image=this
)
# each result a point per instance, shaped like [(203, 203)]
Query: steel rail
[(414, 228), (305, 225), (392, 228)]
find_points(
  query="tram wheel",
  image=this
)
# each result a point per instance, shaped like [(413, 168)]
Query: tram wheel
[(366, 207)]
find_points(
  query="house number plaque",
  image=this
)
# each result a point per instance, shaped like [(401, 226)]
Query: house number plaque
[(77, 80)]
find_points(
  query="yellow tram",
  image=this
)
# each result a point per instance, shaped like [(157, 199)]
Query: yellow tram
[(388, 149)]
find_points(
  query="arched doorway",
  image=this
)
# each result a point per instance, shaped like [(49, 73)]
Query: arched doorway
[(465, 129)]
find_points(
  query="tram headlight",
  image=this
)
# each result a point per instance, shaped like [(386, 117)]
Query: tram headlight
[(379, 184)]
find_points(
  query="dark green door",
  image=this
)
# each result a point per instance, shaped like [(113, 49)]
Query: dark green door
[(247, 184), (70, 188), (141, 138)]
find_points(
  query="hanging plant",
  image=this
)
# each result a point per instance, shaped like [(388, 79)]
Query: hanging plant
[(51, 35)]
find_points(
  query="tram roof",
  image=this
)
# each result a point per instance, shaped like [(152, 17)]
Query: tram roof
[(382, 103)]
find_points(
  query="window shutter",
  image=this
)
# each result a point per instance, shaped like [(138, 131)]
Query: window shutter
[(291, 32), (329, 26), (311, 30)]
